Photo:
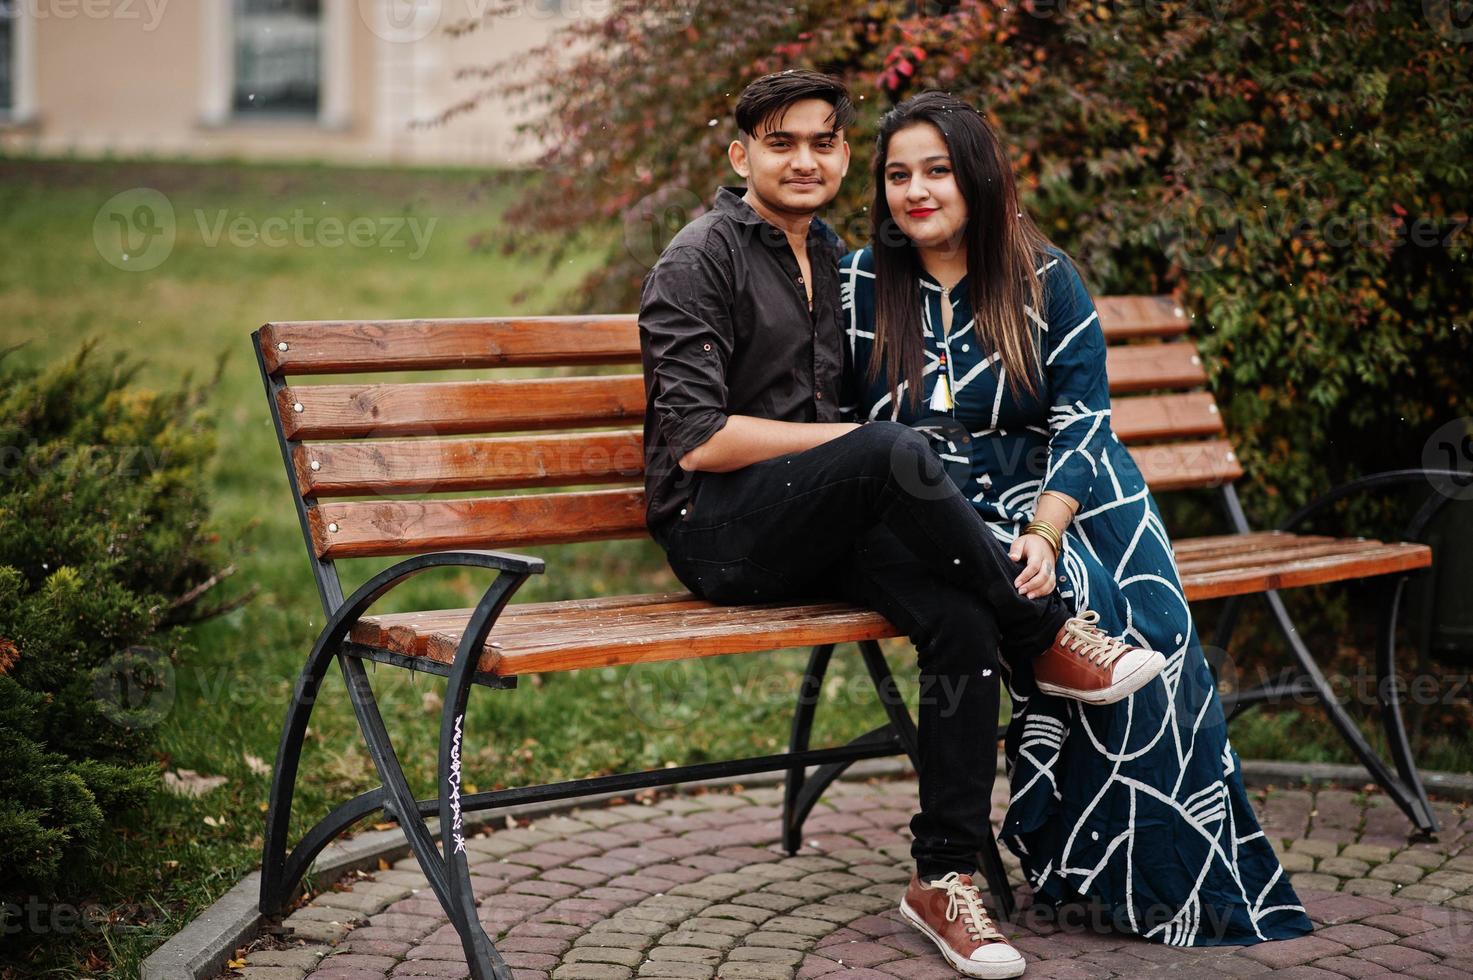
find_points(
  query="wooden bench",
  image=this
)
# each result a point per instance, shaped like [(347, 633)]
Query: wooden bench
[(361, 456)]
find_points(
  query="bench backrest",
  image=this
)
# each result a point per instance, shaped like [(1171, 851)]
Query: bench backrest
[(371, 460)]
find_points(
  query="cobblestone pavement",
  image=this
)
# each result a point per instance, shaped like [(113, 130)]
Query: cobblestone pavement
[(695, 887)]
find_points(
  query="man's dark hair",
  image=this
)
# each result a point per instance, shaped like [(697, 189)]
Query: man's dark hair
[(768, 96)]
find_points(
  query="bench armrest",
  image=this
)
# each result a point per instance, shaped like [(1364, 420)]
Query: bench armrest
[(1372, 481), (353, 608)]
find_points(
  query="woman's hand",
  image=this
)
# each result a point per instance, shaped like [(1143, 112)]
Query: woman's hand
[(1037, 579)]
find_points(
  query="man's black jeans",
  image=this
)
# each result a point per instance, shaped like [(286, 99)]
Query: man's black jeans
[(871, 517)]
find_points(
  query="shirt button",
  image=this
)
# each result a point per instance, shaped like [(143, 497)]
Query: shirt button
[(705, 347), (818, 395), (800, 278)]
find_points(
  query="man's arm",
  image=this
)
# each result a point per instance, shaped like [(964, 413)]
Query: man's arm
[(745, 440), (685, 326)]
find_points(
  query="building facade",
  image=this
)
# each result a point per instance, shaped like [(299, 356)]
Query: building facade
[(344, 81)]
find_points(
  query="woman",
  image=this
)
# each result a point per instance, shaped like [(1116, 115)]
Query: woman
[(1137, 806)]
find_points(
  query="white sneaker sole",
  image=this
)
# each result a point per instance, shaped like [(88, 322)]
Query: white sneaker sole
[(1118, 691), (985, 971)]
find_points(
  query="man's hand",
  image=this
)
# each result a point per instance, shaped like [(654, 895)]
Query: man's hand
[(1037, 579)]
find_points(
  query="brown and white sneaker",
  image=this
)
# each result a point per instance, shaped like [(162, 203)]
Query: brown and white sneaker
[(949, 912), (1090, 666)]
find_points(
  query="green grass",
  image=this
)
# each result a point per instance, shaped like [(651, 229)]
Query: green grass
[(200, 304)]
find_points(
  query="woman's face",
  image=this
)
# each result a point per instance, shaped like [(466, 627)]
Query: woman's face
[(921, 188)]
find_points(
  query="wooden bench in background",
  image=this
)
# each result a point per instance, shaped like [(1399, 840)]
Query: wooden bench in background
[(362, 456)]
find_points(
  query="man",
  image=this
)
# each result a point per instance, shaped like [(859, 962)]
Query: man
[(758, 490)]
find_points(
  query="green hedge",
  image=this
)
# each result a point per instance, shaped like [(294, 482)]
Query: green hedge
[(102, 540)]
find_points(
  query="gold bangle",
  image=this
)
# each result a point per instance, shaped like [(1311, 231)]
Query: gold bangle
[(1073, 505), (1049, 533)]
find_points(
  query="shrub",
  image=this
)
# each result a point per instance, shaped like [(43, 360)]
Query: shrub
[(102, 545)]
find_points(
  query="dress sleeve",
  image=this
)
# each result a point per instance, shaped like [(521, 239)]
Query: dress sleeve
[(685, 328), (1078, 389)]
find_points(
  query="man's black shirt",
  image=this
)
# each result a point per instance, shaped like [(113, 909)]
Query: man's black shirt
[(725, 329)]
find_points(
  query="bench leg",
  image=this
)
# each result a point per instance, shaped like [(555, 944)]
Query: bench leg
[(1411, 803), (1389, 696), (802, 789), (279, 874)]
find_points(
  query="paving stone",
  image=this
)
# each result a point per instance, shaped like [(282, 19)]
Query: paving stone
[(1349, 966), (1458, 881), (796, 924), (1356, 935), (592, 971), (1399, 872), (1423, 892), (358, 961), (271, 973), (1285, 953), (624, 940), (726, 927), (765, 954), (1344, 908), (1367, 852), (1394, 958), (304, 957), (743, 913), (1319, 882), (1314, 848), (1342, 867), (687, 937), (677, 971), (782, 940), (686, 954), (604, 954), (1453, 940), (439, 969), (1422, 859), (1293, 861), (754, 971), (1368, 886), (317, 931), (768, 900)]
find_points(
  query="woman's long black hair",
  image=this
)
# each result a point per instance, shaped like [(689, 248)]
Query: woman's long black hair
[(1004, 250)]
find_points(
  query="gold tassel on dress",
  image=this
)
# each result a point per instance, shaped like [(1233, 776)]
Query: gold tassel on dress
[(940, 396)]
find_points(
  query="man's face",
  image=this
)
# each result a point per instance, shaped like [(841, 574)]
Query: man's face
[(794, 162)]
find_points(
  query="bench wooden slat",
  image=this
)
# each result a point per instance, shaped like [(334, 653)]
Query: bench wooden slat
[(1151, 367), (1248, 579), (459, 407), (556, 636), (1145, 417), (348, 346), (408, 527), (1187, 465), (355, 346), (1125, 317), (403, 466)]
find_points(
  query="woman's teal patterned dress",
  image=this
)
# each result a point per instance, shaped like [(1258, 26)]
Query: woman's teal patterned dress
[(1138, 806)]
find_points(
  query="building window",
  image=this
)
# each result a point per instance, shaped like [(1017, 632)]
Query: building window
[(8, 44), (278, 57)]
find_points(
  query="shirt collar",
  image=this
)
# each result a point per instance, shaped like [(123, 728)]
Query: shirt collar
[(729, 199)]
